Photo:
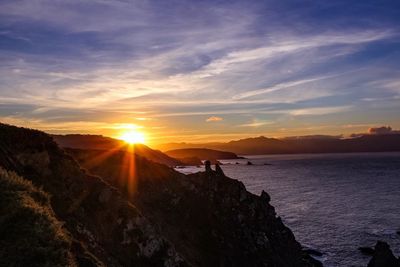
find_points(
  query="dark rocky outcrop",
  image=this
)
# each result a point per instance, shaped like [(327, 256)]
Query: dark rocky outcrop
[(207, 165), (218, 170), (265, 196), (211, 219), (367, 251), (383, 256), (142, 213)]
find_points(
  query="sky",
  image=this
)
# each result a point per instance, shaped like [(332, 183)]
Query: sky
[(200, 71)]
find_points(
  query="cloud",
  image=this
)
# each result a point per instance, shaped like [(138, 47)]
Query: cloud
[(184, 59), (319, 110), (214, 118), (382, 130), (313, 137), (256, 123)]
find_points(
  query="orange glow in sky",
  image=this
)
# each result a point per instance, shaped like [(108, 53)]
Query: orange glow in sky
[(132, 136)]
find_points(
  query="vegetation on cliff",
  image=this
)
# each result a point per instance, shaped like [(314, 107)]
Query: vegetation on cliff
[(30, 233), (141, 213)]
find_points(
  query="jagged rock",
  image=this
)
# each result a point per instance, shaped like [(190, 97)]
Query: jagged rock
[(228, 224), (207, 164), (383, 256), (265, 196), (218, 170), (249, 163), (367, 250)]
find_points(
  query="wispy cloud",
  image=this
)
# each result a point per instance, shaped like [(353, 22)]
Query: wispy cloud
[(256, 123), (214, 119), (172, 61), (319, 110)]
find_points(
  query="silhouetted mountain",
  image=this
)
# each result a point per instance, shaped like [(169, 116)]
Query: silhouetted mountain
[(88, 141), (201, 153), (142, 213), (99, 142), (315, 144)]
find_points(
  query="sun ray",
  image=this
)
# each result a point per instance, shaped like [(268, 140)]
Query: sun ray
[(132, 137)]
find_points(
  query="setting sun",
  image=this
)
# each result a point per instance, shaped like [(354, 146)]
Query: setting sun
[(132, 137)]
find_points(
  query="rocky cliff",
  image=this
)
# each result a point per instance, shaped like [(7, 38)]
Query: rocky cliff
[(383, 256), (211, 219), (106, 229), (140, 213)]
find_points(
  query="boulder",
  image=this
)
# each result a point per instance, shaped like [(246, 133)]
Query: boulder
[(265, 196), (383, 256), (219, 170), (207, 164)]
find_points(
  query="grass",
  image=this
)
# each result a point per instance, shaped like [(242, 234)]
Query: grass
[(30, 235)]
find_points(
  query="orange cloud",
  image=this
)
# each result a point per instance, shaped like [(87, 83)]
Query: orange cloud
[(214, 118)]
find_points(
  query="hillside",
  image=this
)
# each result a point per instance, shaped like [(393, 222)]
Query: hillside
[(263, 145), (102, 143), (22, 205), (201, 153), (146, 214), (106, 228)]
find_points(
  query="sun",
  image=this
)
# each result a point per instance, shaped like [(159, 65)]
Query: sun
[(132, 137)]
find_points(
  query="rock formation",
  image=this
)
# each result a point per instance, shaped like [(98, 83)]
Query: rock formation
[(141, 213), (367, 251), (207, 165), (218, 170), (383, 256), (211, 219)]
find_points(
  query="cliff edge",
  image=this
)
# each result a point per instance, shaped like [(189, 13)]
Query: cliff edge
[(128, 211)]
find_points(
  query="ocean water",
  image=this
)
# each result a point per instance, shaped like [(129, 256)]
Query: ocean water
[(333, 203)]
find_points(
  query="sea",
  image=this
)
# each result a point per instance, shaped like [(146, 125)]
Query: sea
[(333, 203)]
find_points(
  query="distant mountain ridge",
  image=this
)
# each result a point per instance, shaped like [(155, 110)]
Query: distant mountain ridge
[(201, 153), (317, 144), (103, 143)]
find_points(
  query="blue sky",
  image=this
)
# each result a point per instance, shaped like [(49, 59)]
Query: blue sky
[(200, 70)]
